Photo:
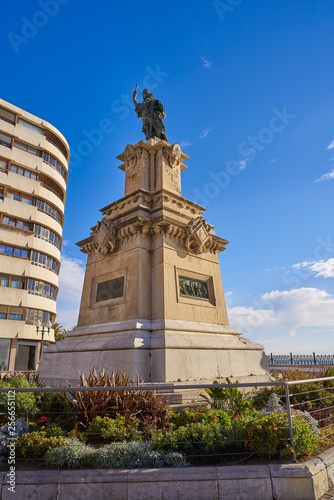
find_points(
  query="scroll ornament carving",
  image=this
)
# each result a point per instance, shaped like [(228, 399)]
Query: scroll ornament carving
[(198, 238), (132, 156), (103, 238)]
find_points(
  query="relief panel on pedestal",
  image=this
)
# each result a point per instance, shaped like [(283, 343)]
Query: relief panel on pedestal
[(108, 289), (194, 288)]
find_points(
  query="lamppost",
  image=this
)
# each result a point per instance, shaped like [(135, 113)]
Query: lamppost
[(44, 329)]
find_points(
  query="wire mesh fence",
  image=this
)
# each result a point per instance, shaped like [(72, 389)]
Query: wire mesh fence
[(137, 426)]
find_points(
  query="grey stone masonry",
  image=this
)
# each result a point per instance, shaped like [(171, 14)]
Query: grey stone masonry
[(310, 480)]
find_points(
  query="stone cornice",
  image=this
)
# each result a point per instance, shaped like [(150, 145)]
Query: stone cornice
[(160, 226)]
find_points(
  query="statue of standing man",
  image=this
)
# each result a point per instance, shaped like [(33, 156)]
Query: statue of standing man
[(152, 113)]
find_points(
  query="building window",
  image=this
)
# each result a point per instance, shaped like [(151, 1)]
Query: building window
[(3, 165), (14, 252), (29, 200), (7, 116), (35, 315), (23, 171), (45, 207), (3, 315), (37, 129), (4, 354), (24, 198), (18, 283), (47, 235), (5, 140), (41, 288), (15, 316), (4, 281), (42, 260), (25, 356), (12, 281), (27, 148), (50, 160), (20, 224)]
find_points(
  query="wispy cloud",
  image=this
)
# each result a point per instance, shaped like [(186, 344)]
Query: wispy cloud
[(322, 268), (208, 64), (184, 144), (326, 177), (330, 145), (206, 132)]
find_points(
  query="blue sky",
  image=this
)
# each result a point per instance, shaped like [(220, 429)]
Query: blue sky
[(248, 91)]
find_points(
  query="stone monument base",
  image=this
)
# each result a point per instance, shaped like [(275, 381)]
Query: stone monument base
[(164, 351)]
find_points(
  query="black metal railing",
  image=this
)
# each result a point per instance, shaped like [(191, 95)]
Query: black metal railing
[(300, 359)]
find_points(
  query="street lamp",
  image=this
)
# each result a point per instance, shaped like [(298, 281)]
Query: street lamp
[(44, 329)]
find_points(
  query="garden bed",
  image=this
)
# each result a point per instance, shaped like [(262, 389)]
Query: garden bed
[(136, 429)]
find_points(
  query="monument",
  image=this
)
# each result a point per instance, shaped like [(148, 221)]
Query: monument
[(153, 301)]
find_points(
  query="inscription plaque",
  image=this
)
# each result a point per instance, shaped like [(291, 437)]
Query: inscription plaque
[(193, 288), (111, 289)]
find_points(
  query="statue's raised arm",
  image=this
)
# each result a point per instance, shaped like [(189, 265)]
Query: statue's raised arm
[(134, 96), (152, 112)]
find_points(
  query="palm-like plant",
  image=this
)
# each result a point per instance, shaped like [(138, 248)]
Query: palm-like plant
[(59, 331)]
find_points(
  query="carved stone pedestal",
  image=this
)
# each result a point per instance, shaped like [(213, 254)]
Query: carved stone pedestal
[(153, 300)]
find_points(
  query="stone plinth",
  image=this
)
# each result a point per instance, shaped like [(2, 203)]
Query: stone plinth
[(153, 300)]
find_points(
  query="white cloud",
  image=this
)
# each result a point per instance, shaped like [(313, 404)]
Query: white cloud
[(326, 177), (206, 132), (70, 287), (206, 63), (324, 268), (330, 145), (285, 321), (242, 164), (184, 144)]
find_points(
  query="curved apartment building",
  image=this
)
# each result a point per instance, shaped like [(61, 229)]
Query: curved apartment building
[(34, 160)]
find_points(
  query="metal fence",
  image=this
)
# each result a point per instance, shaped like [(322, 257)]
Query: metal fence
[(300, 359), (74, 407)]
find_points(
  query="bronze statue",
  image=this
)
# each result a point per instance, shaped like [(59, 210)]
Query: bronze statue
[(152, 113)]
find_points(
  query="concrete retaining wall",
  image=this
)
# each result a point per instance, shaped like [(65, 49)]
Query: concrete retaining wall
[(307, 481)]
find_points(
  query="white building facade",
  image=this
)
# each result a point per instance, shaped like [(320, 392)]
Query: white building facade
[(34, 158)]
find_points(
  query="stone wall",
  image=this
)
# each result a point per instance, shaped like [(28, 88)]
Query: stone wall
[(307, 481)]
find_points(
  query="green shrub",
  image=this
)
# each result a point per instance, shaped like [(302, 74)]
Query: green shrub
[(36, 444), (195, 436), (200, 414), (75, 455), (26, 403), (105, 429), (329, 373), (54, 430), (227, 398), (268, 435), (302, 396), (57, 407)]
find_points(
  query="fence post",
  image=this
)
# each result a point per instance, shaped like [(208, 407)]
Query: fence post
[(288, 411), (314, 358), (291, 358)]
